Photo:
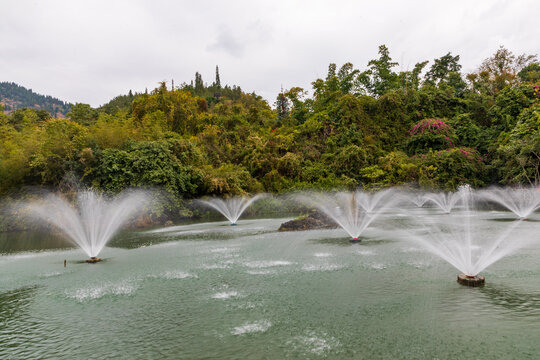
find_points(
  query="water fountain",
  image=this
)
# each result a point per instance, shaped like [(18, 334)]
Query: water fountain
[(93, 221), (302, 271), (521, 201), (370, 202), (446, 201), (353, 211), (233, 207), (418, 199), (467, 243)]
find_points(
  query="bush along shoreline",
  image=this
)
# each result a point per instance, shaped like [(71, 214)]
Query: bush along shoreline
[(433, 127)]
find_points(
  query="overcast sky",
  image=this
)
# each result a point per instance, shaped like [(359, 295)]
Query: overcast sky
[(91, 51)]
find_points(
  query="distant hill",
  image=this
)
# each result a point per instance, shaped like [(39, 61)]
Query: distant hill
[(13, 97)]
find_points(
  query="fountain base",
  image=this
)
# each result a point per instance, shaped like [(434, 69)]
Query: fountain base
[(473, 281), (355, 240), (234, 224), (93, 260)]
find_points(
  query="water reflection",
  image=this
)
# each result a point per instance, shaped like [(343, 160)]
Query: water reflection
[(345, 241), (460, 303), (13, 303), (511, 220), (12, 242), (524, 304)]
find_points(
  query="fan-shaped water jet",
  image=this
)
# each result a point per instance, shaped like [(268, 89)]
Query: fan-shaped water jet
[(467, 243), (232, 208), (353, 211), (521, 201), (93, 220)]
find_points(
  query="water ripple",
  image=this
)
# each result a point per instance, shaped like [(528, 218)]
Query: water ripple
[(252, 327), (125, 287)]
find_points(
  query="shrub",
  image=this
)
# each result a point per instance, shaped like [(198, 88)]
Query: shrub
[(430, 134)]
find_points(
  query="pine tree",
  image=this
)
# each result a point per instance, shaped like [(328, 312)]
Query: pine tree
[(218, 81), (282, 106), (217, 85), (199, 85)]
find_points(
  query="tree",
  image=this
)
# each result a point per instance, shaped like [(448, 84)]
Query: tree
[(346, 78), (217, 85), (300, 109), (151, 163), (282, 107), (442, 68), (180, 108), (82, 113), (199, 85), (410, 80), (500, 70), (530, 73), (445, 74), (430, 134), (218, 81), (380, 78), (62, 140), (23, 118)]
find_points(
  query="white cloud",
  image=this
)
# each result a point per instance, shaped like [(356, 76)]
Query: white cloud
[(82, 51)]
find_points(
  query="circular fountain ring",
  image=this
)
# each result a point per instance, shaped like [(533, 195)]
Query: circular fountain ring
[(93, 260), (472, 281)]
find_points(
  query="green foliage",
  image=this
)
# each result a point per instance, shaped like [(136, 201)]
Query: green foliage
[(145, 164), (530, 73), (121, 103), (61, 142), (398, 169), (24, 118), (282, 107), (442, 69), (17, 148), (518, 155), (371, 127), (428, 135), (112, 131), (228, 179), (508, 105), (379, 78), (453, 167), (469, 133)]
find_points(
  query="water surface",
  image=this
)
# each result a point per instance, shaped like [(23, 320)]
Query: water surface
[(213, 291)]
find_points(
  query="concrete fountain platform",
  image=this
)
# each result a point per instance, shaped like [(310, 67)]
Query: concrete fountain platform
[(93, 260), (470, 280)]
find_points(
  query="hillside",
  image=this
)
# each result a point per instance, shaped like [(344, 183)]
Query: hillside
[(13, 97), (370, 127)]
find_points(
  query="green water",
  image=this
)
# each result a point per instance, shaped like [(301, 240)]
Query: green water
[(212, 291)]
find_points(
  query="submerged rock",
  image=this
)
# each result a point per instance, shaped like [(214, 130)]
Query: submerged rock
[(313, 221)]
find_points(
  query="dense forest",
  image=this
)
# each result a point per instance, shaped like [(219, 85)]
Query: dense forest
[(430, 127), (13, 97)]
